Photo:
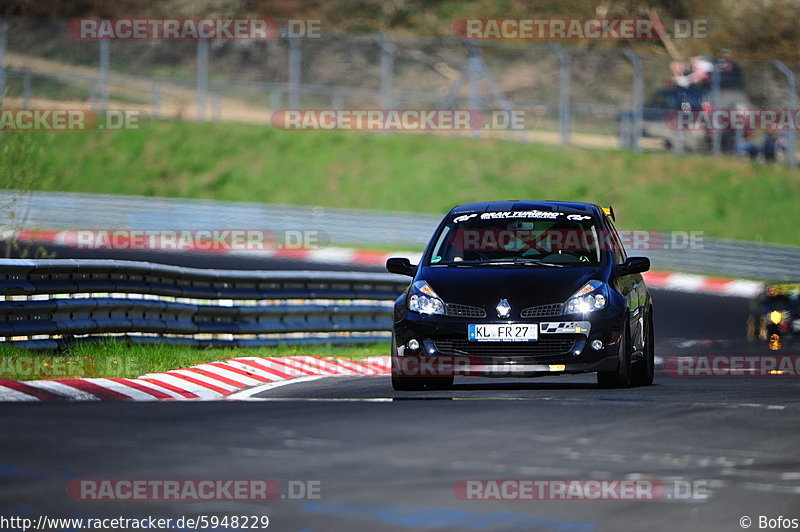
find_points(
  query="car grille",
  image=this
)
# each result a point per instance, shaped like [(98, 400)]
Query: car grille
[(542, 310), (465, 311), (545, 346)]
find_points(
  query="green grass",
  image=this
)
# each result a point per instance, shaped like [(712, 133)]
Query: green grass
[(115, 358), (655, 191)]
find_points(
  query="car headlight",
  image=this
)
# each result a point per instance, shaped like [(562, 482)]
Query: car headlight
[(592, 296), (777, 316), (424, 300)]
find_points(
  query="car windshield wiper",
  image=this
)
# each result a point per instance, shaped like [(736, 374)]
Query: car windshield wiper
[(527, 262)]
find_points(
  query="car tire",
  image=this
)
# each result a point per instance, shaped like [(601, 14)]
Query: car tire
[(644, 370), (407, 384), (621, 377), (400, 382)]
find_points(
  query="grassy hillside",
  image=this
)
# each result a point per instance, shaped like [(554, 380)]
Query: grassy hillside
[(723, 197)]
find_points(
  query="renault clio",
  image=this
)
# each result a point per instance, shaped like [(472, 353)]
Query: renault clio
[(523, 289)]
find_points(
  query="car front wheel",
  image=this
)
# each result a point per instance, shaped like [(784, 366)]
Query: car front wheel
[(621, 377), (644, 370)]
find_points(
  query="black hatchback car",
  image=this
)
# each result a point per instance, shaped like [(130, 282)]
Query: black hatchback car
[(523, 288)]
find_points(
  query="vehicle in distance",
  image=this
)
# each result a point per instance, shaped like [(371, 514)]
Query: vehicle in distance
[(523, 288), (775, 315)]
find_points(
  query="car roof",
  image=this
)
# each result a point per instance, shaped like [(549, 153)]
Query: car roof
[(573, 207)]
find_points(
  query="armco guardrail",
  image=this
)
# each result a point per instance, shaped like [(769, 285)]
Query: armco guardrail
[(47, 303), (731, 258), (357, 228), (336, 227)]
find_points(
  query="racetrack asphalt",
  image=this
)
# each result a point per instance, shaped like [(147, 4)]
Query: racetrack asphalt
[(389, 461)]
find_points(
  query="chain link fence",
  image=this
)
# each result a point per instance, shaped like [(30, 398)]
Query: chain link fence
[(576, 95)]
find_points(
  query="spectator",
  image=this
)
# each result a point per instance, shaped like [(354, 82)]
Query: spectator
[(770, 147), (730, 75), (697, 75), (701, 71), (746, 146)]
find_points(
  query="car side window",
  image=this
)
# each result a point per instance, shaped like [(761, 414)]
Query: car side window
[(616, 243)]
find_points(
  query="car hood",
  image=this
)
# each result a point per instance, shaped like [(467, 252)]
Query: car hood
[(522, 286)]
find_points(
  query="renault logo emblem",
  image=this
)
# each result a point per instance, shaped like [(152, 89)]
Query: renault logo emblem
[(503, 309)]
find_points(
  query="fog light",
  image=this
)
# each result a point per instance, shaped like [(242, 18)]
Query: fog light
[(597, 345), (413, 344)]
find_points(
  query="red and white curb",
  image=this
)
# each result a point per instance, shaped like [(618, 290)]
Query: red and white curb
[(700, 284), (212, 381), (681, 282)]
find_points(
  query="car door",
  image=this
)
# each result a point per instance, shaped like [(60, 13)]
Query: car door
[(630, 286)]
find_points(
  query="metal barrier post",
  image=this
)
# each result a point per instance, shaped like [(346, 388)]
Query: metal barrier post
[(294, 70), (791, 90), (156, 99), (26, 89), (202, 78), (105, 61), (473, 72), (716, 135), (274, 100), (638, 98), (565, 74), (2, 62), (387, 71), (216, 105)]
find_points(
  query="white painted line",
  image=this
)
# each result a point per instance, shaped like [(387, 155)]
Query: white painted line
[(250, 392)]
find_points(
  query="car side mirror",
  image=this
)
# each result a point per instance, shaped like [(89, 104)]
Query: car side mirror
[(402, 266), (634, 265)]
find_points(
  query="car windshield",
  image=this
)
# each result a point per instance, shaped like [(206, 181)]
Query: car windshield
[(518, 237)]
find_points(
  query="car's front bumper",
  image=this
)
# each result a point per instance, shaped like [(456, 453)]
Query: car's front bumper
[(445, 350)]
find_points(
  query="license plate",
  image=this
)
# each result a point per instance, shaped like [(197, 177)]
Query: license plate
[(501, 332)]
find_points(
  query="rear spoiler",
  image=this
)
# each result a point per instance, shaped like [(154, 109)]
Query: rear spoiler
[(610, 212)]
